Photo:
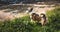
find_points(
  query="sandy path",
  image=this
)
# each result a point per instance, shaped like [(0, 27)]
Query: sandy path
[(42, 10), (8, 15)]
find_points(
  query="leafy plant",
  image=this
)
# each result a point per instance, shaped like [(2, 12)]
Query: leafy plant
[(24, 24)]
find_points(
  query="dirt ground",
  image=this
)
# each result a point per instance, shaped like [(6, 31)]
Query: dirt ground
[(37, 8)]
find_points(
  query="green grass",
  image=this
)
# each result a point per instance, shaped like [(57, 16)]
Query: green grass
[(54, 18), (25, 25)]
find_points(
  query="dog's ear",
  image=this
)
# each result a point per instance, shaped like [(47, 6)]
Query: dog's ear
[(29, 10)]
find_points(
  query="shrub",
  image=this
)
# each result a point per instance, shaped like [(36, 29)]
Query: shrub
[(16, 25), (54, 19)]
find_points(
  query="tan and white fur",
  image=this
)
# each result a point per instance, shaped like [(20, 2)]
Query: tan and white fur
[(40, 18)]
